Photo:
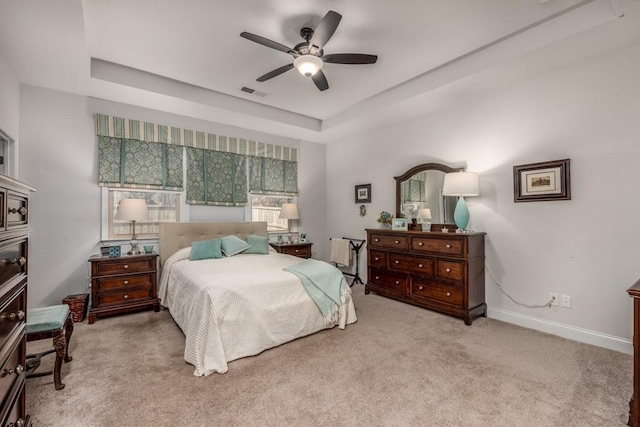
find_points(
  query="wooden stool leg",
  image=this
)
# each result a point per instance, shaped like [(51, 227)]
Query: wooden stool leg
[(68, 332), (60, 344)]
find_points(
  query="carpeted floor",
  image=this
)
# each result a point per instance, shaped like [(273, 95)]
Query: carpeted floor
[(397, 366)]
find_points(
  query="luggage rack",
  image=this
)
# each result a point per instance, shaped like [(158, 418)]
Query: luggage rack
[(356, 245)]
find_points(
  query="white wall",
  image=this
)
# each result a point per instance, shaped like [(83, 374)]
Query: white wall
[(59, 158), (586, 248)]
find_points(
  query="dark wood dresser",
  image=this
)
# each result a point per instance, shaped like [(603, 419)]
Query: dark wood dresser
[(443, 272), (123, 284), (301, 250), (14, 231), (634, 404)]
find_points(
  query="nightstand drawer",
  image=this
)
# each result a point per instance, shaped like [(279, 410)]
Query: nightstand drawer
[(17, 209), (13, 307), (123, 282), (299, 251), (11, 369), (13, 259), (125, 266), (125, 296)]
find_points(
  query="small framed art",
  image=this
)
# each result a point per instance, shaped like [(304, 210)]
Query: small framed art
[(303, 238), (543, 181), (363, 193), (399, 224)]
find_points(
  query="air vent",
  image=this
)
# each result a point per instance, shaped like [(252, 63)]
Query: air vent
[(253, 91)]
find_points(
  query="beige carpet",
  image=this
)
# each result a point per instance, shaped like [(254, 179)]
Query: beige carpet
[(397, 366)]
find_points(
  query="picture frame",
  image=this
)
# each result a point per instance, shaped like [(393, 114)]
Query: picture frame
[(544, 181), (303, 238), (363, 193), (399, 224)]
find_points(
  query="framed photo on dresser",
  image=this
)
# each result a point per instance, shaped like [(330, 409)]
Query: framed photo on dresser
[(400, 224)]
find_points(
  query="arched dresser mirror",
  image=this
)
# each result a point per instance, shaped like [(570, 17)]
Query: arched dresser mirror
[(421, 187)]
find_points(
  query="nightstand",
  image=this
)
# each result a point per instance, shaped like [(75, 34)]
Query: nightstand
[(301, 250), (123, 284)]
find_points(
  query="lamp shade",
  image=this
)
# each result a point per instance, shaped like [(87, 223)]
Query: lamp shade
[(308, 65), (289, 211), (424, 213), (132, 210), (461, 184)]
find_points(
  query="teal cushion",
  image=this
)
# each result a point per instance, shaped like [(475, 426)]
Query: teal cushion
[(45, 319), (259, 245), (206, 249), (233, 245)]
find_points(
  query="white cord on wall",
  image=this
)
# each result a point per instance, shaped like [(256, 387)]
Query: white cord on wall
[(547, 305)]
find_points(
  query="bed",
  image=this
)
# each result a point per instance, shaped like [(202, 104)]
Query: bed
[(236, 306)]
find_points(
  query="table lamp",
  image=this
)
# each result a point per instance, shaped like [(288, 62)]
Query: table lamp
[(461, 184), (424, 215), (289, 211), (133, 210)]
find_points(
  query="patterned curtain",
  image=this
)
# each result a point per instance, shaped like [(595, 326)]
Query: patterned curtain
[(272, 176), (216, 178), (139, 164), (413, 190)]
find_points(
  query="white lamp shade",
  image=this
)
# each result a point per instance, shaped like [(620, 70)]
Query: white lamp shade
[(424, 213), (132, 210), (289, 211), (308, 65), (461, 184)]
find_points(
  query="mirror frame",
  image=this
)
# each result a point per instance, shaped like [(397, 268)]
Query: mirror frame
[(421, 168)]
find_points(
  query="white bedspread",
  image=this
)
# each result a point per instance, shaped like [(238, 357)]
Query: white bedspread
[(239, 306)]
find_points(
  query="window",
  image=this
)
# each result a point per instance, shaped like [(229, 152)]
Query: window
[(164, 206), (267, 208)]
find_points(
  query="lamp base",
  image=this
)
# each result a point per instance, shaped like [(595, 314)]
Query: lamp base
[(134, 248), (461, 214)]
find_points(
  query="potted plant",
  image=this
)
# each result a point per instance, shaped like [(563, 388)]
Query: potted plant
[(385, 219)]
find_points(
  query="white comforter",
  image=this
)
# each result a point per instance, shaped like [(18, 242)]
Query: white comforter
[(239, 306)]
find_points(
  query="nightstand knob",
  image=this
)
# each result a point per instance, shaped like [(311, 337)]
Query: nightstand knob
[(420, 265), (420, 244), (397, 282), (297, 251), (377, 277), (376, 258), (126, 297), (448, 294), (397, 262), (376, 240), (448, 246), (397, 242), (421, 287), (448, 270), (126, 266), (126, 282)]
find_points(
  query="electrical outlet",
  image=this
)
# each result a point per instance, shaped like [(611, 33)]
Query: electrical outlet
[(555, 297), (565, 301)]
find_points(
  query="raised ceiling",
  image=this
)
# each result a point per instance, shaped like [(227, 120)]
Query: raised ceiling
[(186, 56)]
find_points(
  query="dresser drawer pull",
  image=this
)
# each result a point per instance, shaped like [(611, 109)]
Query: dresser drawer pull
[(21, 211), (126, 296), (21, 261), (448, 294), (397, 262), (126, 282), (420, 265), (396, 242), (376, 259), (420, 244), (376, 240), (13, 316), (19, 423), (17, 371), (421, 287), (297, 251), (397, 282), (449, 246), (377, 277), (448, 270), (126, 266)]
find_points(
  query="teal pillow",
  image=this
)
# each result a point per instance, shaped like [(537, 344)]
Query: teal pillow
[(259, 245), (206, 249), (233, 245)]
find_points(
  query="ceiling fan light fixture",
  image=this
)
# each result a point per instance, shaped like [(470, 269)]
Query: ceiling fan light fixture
[(308, 65)]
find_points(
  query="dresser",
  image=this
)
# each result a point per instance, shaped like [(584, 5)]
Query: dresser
[(123, 284), (14, 222), (443, 272), (634, 404), (301, 250)]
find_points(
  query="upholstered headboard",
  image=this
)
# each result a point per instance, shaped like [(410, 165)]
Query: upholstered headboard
[(177, 235)]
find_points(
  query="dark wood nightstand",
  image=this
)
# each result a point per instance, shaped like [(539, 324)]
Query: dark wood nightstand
[(301, 250), (123, 284)]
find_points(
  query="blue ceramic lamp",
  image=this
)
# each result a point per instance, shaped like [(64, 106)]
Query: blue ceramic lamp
[(461, 184)]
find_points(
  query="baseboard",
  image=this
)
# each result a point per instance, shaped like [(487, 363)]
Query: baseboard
[(562, 330)]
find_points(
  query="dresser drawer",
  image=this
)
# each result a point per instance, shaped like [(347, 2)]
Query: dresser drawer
[(12, 316), (437, 291), (422, 265), (444, 246), (125, 296), (108, 283), (389, 241), (393, 281), (17, 209), (450, 270), (378, 259), (124, 266), (11, 369), (12, 408), (299, 251), (13, 259)]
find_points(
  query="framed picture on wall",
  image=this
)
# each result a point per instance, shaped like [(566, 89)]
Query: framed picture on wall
[(363, 193), (543, 181)]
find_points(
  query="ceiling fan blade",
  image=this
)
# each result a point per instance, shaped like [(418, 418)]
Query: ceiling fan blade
[(325, 30), (350, 58), (320, 80), (266, 42), (274, 73)]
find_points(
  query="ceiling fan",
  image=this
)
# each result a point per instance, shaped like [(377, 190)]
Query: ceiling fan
[(309, 55)]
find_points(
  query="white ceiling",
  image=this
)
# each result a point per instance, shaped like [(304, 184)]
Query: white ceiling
[(186, 56)]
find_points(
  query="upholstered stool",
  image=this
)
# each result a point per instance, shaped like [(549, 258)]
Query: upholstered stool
[(50, 322)]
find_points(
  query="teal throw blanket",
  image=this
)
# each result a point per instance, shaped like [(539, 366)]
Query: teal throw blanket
[(324, 283)]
